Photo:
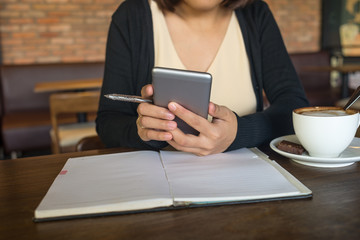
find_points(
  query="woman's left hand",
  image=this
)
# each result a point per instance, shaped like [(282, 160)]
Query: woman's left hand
[(214, 137)]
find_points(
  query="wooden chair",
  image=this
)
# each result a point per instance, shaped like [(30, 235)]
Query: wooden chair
[(94, 143), (65, 136), (89, 143), (316, 83)]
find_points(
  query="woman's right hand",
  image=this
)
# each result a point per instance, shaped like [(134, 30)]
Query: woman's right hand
[(154, 122)]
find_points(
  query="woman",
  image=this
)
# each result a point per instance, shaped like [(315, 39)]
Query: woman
[(237, 41)]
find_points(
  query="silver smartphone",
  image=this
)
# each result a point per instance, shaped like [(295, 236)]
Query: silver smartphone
[(188, 88)]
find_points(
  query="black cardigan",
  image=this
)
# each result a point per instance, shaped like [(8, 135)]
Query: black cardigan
[(130, 59)]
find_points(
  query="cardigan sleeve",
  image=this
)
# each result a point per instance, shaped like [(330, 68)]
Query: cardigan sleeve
[(127, 67), (273, 73)]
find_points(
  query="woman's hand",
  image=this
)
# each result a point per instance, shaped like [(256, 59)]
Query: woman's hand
[(154, 122), (214, 137)]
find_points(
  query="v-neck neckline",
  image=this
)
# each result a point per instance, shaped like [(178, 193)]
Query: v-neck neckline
[(175, 52)]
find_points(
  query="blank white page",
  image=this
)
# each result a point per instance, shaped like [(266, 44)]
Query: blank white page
[(233, 176), (107, 183)]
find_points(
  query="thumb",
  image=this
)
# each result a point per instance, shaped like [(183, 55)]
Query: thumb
[(219, 112), (215, 110), (147, 91)]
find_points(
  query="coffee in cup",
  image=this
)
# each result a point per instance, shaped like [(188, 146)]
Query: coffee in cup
[(325, 131)]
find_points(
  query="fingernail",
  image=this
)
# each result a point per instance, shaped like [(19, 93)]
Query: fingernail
[(167, 136), (172, 106), (170, 116)]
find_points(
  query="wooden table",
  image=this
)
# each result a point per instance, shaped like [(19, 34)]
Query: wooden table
[(332, 213), (68, 85), (344, 70)]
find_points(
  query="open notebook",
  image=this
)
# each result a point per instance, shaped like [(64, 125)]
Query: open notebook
[(149, 180)]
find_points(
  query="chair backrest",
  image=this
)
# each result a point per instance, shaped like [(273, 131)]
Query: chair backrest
[(310, 79), (95, 143), (316, 83), (15, 98), (70, 102), (89, 143)]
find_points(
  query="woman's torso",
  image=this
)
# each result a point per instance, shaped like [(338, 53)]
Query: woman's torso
[(229, 66)]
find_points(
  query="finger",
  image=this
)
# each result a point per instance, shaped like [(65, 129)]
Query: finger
[(138, 122), (190, 143), (147, 91), (151, 110), (154, 129), (151, 134), (185, 140), (211, 108), (220, 113), (155, 123), (197, 122), (217, 111), (196, 151)]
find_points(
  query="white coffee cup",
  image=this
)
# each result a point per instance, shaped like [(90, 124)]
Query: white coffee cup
[(325, 131)]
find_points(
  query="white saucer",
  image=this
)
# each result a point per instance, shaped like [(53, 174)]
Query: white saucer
[(350, 155)]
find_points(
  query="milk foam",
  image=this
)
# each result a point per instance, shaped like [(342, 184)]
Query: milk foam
[(325, 113)]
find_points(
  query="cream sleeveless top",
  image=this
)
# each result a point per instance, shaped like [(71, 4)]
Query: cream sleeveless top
[(231, 84)]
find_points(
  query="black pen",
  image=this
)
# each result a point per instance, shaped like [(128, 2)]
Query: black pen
[(127, 98)]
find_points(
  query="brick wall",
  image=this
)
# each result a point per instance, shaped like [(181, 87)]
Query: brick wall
[(299, 22), (37, 31), (45, 31)]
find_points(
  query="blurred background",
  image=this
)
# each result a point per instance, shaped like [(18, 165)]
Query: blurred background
[(52, 41), (53, 31)]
